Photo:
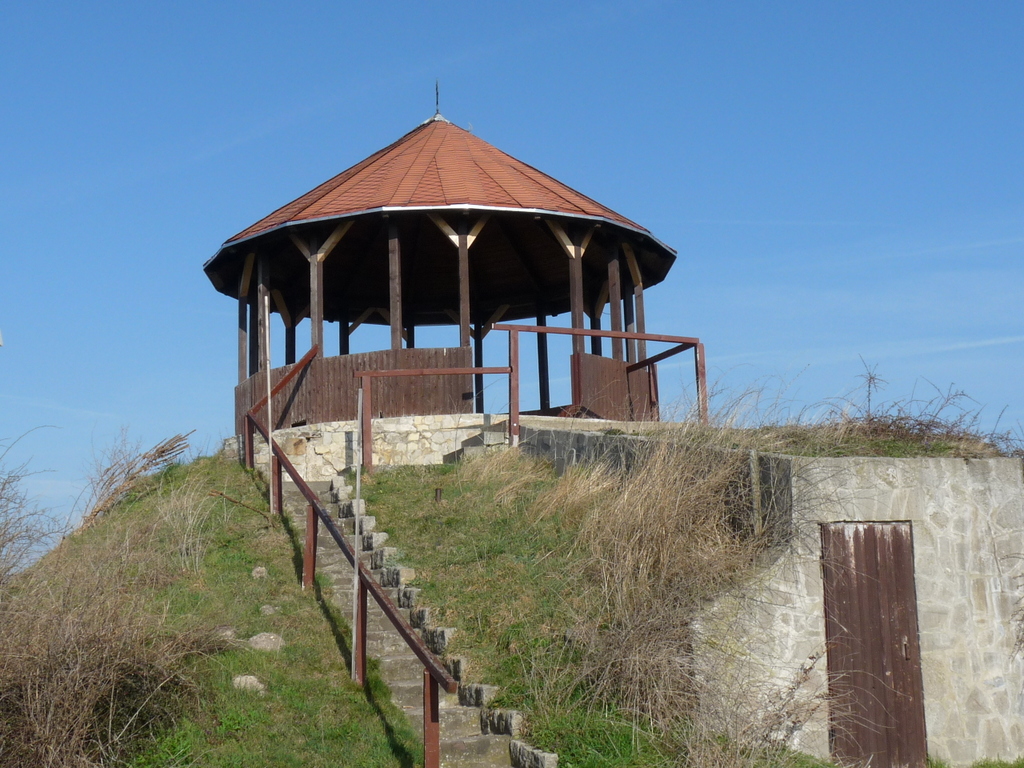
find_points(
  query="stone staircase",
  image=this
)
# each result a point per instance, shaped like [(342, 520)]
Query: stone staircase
[(472, 734)]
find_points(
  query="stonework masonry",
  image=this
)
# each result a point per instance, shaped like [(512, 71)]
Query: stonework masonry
[(967, 518)]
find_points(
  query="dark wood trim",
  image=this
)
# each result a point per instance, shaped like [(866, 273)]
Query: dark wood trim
[(464, 308), (289, 345), (395, 285), (596, 348), (478, 362), (628, 319), (254, 333), (544, 382)]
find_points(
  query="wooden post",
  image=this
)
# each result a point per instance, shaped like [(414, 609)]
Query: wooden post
[(395, 285), (410, 336), (702, 383), (316, 303), (243, 339), (615, 301), (309, 553), (637, 279), (463, 284), (343, 348), (289, 345), (431, 722), (542, 361), (576, 298), (254, 334), (248, 440), (596, 348), (629, 321)]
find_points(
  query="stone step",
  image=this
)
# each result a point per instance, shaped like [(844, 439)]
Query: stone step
[(475, 752), (456, 722)]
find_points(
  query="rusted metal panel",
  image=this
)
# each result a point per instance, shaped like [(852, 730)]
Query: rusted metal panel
[(643, 398), (874, 658), (603, 390), (326, 389)]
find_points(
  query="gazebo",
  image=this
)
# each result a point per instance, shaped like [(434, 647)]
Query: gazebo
[(442, 228)]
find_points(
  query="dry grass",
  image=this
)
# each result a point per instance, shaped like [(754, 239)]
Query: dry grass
[(186, 511), (24, 529), (84, 669)]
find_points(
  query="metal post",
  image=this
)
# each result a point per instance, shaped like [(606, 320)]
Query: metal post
[(309, 554), (431, 722), (356, 536), (359, 649), (513, 388), (365, 437)]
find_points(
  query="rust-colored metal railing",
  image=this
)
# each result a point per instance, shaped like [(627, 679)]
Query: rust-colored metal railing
[(682, 344), (435, 676)]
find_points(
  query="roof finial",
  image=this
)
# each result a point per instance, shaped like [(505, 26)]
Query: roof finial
[(437, 97)]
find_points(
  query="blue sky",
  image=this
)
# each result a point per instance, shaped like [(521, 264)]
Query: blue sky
[(841, 181)]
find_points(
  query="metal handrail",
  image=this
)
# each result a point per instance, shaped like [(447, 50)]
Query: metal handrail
[(434, 673)]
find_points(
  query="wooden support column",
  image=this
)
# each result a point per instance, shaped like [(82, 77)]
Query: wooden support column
[(395, 285), (596, 348), (615, 300), (263, 304), (254, 332), (638, 298), (316, 303), (343, 330), (542, 361), (463, 284), (289, 345), (478, 362), (576, 300), (410, 336), (628, 320), (243, 338), (243, 319)]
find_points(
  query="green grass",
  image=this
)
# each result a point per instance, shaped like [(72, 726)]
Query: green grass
[(311, 714), (504, 577)]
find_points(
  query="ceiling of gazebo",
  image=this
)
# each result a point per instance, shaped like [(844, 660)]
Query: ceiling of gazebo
[(442, 170)]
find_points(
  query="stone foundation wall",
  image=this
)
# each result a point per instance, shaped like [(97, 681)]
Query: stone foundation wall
[(323, 451)]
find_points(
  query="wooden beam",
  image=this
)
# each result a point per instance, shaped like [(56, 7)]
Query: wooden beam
[(395, 285), (343, 330), (301, 244), (495, 317), (596, 347), (361, 319), (634, 268), (282, 308), (563, 239), (451, 234), (243, 286), (339, 232), (463, 244)]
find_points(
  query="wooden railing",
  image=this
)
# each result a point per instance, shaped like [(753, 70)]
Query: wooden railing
[(435, 675)]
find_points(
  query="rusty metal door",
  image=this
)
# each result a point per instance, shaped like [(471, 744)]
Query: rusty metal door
[(874, 659)]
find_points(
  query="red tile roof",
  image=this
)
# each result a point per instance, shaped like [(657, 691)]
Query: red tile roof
[(436, 165)]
